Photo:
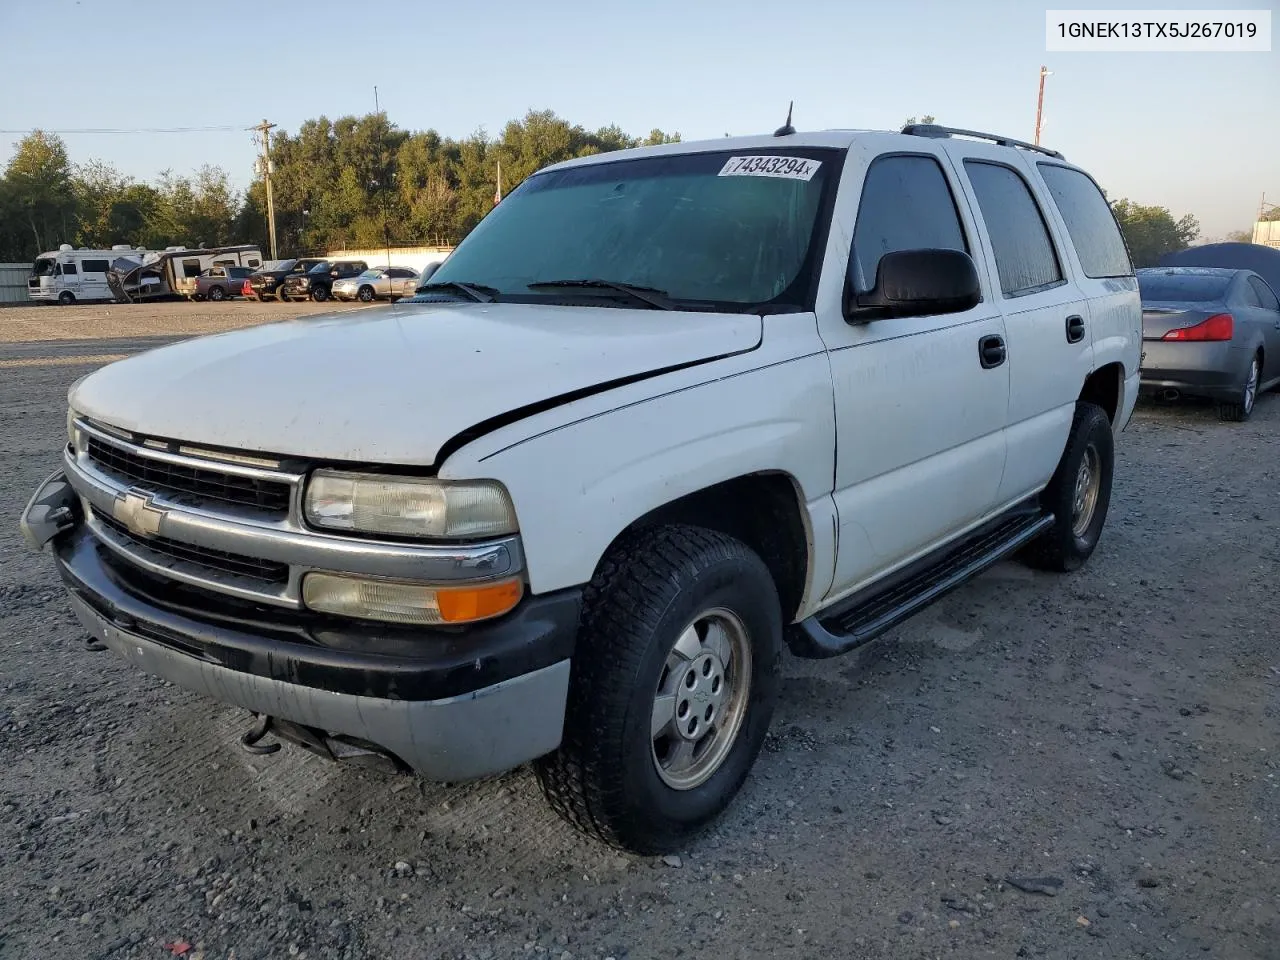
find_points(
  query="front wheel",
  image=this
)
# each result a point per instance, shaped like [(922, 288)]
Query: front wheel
[(1240, 409), (675, 678), (319, 294), (1079, 494), (365, 294)]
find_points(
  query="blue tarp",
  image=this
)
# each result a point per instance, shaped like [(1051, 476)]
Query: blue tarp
[(1264, 261)]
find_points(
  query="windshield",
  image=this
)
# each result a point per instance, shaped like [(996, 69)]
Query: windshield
[(43, 267), (275, 266), (1182, 287), (722, 229), (370, 275), (321, 267)]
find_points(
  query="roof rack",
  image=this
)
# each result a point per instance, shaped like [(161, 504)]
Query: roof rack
[(934, 130)]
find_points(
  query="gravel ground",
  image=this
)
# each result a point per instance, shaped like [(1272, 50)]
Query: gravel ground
[(1111, 734)]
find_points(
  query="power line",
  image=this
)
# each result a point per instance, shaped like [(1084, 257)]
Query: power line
[(220, 129)]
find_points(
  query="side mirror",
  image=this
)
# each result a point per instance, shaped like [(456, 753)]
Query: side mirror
[(916, 283), (427, 271)]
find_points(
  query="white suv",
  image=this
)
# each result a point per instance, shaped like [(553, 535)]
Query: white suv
[(663, 412)]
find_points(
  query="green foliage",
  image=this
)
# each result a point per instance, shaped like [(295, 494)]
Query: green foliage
[(1240, 236), (353, 181), (927, 118), (39, 195), (1273, 213), (1151, 232)]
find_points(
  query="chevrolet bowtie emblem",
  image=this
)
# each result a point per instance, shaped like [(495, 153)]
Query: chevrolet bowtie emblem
[(135, 511)]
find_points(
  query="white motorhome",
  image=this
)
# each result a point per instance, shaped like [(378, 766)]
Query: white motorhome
[(67, 275)]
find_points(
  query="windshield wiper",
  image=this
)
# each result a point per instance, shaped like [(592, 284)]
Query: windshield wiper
[(648, 295), (475, 291)]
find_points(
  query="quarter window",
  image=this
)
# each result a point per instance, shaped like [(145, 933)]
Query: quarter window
[(906, 204), (1025, 258), (68, 269), (95, 266), (1265, 294), (1090, 223)]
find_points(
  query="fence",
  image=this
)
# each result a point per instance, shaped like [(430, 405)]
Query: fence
[(13, 282)]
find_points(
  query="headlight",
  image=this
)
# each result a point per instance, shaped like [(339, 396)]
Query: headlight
[(304, 282), (394, 601), (409, 506)]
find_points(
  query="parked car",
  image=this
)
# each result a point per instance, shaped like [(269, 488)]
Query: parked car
[(569, 502), (377, 283), (220, 282), (317, 282), (268, 281), (1209, 332)]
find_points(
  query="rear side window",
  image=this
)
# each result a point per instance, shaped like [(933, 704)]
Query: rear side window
[(1265, 294), (906, 204), (1249, 296), (1025, 258), (95, 266), (1090, 223)]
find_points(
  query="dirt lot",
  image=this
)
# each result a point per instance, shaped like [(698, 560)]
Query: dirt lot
[(1115, 730)]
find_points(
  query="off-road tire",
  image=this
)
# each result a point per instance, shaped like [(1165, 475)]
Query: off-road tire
[(1060, 549), (603, 779), (1240, 409)]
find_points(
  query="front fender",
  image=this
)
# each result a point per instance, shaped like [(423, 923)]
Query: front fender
[(577, 487)]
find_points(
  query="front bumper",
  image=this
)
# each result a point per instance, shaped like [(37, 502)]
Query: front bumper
[(450, 704)]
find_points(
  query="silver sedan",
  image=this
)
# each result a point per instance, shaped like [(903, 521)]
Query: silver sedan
[(378, 283), (1210, 332)]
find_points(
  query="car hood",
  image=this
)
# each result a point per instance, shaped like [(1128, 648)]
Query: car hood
[(392, 385)]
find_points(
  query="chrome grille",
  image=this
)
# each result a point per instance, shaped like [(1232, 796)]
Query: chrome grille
[(213, 561), (200, 483)]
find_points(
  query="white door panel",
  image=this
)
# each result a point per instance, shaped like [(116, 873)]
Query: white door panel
[(1039, 293), (920, 445)]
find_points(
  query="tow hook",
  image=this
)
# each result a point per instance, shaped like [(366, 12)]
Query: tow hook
[(255, 733)]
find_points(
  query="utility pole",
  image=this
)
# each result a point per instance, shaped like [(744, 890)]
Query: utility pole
[(264, 130), (1044, 72)]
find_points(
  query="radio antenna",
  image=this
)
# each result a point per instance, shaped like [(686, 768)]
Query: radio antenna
[(786, 129)]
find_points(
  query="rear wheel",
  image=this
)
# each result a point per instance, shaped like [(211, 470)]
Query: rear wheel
[(675, 677), (66, 298), (1239, 410), (217, 293), (1079, 494)]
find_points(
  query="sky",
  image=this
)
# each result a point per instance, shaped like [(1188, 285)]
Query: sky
[(1194, 132)]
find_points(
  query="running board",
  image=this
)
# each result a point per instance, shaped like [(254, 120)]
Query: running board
[(868, 614)]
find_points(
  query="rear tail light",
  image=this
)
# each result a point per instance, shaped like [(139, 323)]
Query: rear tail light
[(247, 289), (1218, 327)]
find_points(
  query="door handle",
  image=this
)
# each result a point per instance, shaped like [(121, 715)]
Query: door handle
[(991, 351), (1075, 328)]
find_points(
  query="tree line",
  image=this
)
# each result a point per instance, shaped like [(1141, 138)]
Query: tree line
[(346, 183), (350, 182)]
